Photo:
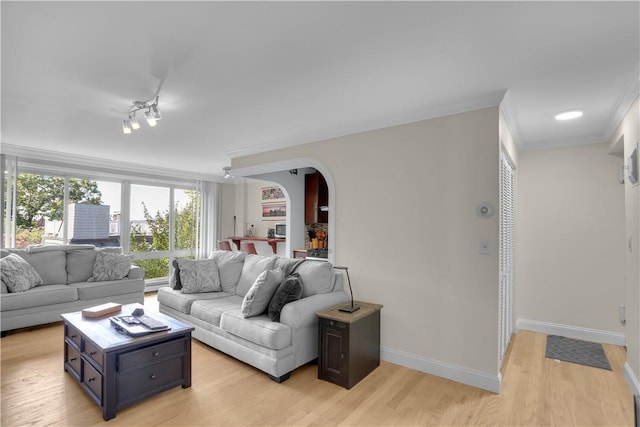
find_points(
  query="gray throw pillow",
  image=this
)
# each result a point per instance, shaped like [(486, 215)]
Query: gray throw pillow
[(175, 282), (198, 276), (289, 290), (110, 267), (18, 274), (230, 266), (257, 298)]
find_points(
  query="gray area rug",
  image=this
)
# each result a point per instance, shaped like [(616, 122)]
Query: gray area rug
[(577, 351)]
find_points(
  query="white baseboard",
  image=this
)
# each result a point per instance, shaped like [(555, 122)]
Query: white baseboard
[(483, 380), (596, 335), (632, 380)]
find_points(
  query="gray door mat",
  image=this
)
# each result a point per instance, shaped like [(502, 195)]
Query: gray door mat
[(577, 351)]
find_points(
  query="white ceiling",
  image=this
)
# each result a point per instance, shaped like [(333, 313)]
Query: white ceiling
[(241, 77)]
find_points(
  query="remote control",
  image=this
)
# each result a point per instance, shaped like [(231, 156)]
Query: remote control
[(150, 322)]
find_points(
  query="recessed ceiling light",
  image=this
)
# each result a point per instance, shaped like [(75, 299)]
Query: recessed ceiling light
[(568, 115)]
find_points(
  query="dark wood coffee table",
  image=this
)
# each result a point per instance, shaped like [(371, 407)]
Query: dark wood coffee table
[(117, 370)]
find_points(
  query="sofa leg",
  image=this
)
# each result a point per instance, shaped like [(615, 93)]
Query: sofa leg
[(282, 378)]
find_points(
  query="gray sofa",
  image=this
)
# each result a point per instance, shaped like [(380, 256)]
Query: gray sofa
[(65, 272), (275, 347)]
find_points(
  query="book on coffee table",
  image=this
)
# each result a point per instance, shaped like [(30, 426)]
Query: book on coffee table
[(102, 309)]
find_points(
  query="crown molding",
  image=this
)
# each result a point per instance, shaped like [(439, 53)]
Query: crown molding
[(562, 142), (623, 103), (75, 161), (491, 99)]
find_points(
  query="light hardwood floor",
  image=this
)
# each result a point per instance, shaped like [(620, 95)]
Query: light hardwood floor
[(536, 392)]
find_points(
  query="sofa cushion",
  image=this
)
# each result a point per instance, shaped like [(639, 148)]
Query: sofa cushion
[(110, 266), (211, 310), (288, 291), (257, 299), (39, 296), (18, 274), (253, 266), (110, 288), (288, 265), (80, 264), (317, 277), (199, 276), (176, 300), (230, 266), (259, 330), (51, 264)]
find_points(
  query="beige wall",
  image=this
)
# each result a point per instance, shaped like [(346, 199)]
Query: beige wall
[(406, 225), (570, 238), (628, 131)]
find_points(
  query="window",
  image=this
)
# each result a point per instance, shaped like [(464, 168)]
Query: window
[(154, 220)]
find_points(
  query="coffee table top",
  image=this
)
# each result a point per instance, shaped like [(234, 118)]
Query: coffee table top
[(100, 331)]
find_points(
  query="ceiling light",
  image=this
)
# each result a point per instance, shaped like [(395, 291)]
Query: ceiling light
[(569, 115), (126, 126), (152, 115), (227, 172)]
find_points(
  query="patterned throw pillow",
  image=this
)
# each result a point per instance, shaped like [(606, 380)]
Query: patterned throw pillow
[(199, 276), (257, 298), (110, 267), (18, 274)]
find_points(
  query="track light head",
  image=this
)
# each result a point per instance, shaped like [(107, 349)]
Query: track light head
[(134, 122), (156, 112), (126, 126), (227, 172), (150, 119)]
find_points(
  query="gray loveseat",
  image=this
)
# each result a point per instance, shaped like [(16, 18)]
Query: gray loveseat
[(65, 272), (220, 320)]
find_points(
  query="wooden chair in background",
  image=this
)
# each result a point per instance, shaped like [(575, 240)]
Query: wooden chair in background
[(248, 247), (224, 245)]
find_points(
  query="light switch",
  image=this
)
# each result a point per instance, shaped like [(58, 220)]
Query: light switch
[(484, 247)]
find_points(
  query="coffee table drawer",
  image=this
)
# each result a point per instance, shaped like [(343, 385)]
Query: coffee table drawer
[(149, 380), (93, 380), (151, 354), (74, 336), (73, 359), (94, 353)]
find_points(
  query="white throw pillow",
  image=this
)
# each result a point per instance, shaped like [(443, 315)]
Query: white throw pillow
[(18, 274), (198, 276), (257, 298)]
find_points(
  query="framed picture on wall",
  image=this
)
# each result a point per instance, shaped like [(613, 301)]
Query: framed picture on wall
[(272, 195), (274, 211)]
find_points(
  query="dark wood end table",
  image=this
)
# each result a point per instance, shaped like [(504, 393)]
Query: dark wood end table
[(117, 370), (348, 343)]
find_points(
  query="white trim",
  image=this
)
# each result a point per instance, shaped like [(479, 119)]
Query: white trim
[(575, 332), (483, 380), (491, 99), (116, 168), (631, 379), (507, 112)]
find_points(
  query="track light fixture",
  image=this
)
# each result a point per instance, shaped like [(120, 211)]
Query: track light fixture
[(227, 172), (152, 115)]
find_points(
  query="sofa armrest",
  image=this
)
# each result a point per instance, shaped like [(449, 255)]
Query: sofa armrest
[(135, 272), (303, 312)]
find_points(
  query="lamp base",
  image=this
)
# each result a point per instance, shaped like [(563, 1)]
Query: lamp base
[(349, 308)]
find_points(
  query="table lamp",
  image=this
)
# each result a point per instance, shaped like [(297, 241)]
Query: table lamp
[(349, 308)]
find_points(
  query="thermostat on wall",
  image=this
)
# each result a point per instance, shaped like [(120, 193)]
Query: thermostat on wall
[(484, 210)]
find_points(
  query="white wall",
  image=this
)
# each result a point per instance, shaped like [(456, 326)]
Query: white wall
[(570, 238), (628, 130), (406, 225)]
